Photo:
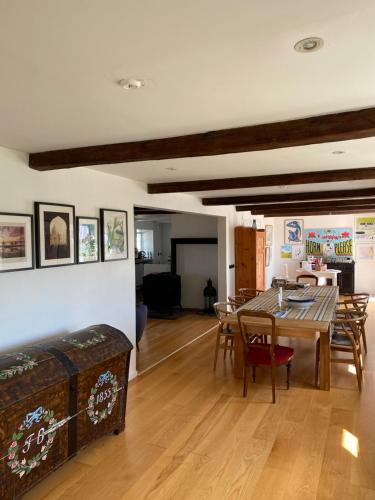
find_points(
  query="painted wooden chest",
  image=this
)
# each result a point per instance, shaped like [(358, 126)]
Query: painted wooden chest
[(34, 397), (57, 397), (97, 360)]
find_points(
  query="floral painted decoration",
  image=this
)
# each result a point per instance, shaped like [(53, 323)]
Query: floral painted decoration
[(97, 416), (26, 363), (96, 339), (25, 466)]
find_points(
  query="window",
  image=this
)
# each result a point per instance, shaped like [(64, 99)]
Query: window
[(145, 241)]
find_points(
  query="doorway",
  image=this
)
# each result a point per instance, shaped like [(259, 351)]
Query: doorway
[(176, 254)]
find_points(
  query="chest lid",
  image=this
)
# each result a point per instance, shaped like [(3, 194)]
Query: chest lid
[(26, 372), (90, 346)]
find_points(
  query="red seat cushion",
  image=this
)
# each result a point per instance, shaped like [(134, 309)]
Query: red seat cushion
[(256, 356)]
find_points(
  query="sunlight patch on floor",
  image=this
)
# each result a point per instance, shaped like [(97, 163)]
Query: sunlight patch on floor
[(350, 443)]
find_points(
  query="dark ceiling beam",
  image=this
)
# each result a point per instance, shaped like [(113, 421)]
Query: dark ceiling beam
[(312, 130), (289, 197), (348, 174), (307, 205), (315, 211)]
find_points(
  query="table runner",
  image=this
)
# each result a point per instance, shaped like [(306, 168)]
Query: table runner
[(321, 310)]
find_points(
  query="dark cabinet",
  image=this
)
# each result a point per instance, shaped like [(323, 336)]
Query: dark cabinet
[(345, 279)]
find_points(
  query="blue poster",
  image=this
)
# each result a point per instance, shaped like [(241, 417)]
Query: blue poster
[(337, 242)]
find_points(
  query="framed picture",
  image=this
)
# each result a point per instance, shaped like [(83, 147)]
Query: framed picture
[(365, 229), (87, 239), (16, 242), (268, 235), (114, 234), (293, 231), (267, 255), (286, 251), (365, 252), (54, 234)]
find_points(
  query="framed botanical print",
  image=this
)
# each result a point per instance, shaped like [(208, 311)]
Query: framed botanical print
[(16, 242), (267, 259), (114, 234), (268, 234), (293, 231), (87, 239), (55, 238)]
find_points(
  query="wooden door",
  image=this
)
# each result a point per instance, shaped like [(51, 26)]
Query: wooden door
[(260, 264)]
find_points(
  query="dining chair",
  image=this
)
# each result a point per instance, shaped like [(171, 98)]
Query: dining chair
[(345, 338), (237, 301), (260, 353), (307, 278), (249, 293), (224, 332), (358, 302)]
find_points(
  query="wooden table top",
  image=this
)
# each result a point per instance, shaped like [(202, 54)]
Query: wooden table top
[(318, 316)]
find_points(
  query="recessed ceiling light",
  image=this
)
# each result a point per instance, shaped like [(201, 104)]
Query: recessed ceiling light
[(131, 83), (338, 152), (310, 44)]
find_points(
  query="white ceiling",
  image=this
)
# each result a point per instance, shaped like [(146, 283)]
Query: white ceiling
[(208, 64)]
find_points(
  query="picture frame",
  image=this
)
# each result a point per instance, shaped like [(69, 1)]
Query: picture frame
[(293, 231), (55, 234), (114, 234), (365, 252), (16, 242), (267, 256), (268, 235), (87, 240)]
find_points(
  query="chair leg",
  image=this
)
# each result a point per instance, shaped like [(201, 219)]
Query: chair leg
[(364, 340), (358, 369), (231, 347), (245, 381), (288, 365), (217, 348), (254, 368), (273, 379), (317, 360), (137, 347), (225, 346)]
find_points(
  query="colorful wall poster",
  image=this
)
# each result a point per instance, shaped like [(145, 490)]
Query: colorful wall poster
[(298, 252), (286, 251), (333, 242), (365, 228), (365, 252), (293, 231)]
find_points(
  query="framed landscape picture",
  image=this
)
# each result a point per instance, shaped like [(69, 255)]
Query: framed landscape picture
[(55, 238), (293, 231), (87, 239), (16, 242), (114, 234)]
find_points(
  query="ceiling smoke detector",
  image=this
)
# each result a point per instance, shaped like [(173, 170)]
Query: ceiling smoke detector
[(131, 83), (310, 44), (338, 152)]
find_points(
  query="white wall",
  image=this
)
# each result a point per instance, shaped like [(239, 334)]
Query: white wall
[(39, 303), (364, 271)]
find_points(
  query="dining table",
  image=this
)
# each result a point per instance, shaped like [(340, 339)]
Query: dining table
[(310, 323)]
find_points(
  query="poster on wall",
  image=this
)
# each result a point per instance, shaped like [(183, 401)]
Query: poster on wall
[(293, 231), (365, 252), (332, 242), (365, 228), (298, 252), (286, 251)]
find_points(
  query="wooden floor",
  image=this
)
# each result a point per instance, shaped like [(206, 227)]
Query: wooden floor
[(162, 337), (190, 435)]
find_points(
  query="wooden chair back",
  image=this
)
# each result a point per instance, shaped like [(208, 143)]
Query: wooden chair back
[(257, 333), (349, 322), (249, 293), (307, 278), (237, 301), (223, 310)]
